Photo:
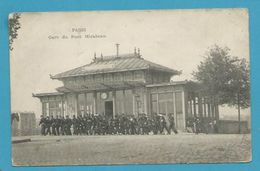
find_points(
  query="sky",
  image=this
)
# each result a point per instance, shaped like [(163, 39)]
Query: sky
[(174, 38)]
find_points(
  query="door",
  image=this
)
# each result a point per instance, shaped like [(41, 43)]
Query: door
[(109, 109)]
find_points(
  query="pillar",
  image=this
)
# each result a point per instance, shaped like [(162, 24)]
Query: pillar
[(184, 109), (94, 102), (200, 106), (85, 103), (148, 107), (194, 106), (134, 103), (209, 109), (62, 106), (205, 107), (123, 109), (44, 114), (145, 102), (77, 104), (114, 103), (174, 110), (217, 111), (157, 103)]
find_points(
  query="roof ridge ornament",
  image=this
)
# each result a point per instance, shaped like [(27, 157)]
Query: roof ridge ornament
[(139, 55), (95, 57), (101, 56), (117, 49)]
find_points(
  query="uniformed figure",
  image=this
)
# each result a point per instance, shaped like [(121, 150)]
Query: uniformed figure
[(68, 124), (172, 125), (57, 125), (48, 126), (75, 125), (97, 124), (62, 125), (162, 124), (53, 125), (42, 123), (89, 125)]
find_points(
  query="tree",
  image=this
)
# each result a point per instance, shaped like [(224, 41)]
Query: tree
[(225, 78), (14, 26)]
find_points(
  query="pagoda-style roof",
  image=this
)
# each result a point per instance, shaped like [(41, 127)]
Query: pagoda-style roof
[(120, 63)]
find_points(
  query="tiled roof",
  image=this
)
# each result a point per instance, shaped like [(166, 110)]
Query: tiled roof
[(128, 62)]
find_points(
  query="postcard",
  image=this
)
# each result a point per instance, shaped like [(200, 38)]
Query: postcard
[(130, 87)]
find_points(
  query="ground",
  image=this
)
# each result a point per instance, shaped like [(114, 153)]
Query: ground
[(125, 149)]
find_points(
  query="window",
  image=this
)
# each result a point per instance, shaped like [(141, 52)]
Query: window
[(138, 75), (98, 78), (166, 103), (108, 77), (128, 76), (118, 77), (88, 79), (55, 108)]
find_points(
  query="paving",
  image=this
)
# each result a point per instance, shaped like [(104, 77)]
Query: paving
[(129, 149)]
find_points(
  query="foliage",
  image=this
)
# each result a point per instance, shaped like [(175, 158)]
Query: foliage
[(14, 26), (225, 77)]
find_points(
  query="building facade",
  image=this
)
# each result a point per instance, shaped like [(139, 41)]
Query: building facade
[(127, 84)]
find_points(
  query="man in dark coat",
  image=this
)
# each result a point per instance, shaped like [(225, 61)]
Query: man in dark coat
[(68, 124), (43, 124), (48, 126), (172, 125)]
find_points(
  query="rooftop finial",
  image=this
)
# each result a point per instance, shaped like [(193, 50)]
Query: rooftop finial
[(101, 56), (139, 52), (117, 49), (135, 51), (95, 57)]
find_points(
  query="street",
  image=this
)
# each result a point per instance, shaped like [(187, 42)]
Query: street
[(127, 149)]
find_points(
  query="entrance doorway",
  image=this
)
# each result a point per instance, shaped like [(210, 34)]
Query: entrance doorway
[(109, 109)]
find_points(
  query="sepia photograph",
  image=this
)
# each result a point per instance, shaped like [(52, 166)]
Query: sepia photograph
[(130, 87)]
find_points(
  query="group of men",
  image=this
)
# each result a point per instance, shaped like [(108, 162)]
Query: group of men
[(97, 124), (201, 125)]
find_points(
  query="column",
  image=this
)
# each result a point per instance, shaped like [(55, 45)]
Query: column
[(209, 109), (174, 110), (145, 102), (217, 111), (95, 102), (85, 103), (184, 109), (42, 103), (49, 110), (134, 103), (194, 106), (148, 107), (62, 106), (114, 103), (77, 104), (205, 107), (157, 103), (123, 109), (200, 106)]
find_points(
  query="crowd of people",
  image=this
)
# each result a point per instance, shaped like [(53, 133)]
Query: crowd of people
[(201, 125), (91, 124)]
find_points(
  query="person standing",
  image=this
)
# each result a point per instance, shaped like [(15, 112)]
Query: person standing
[(172, 125), (42, 123), (48, 126)]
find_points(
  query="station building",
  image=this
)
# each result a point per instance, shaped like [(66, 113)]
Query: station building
[(127, 84)]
